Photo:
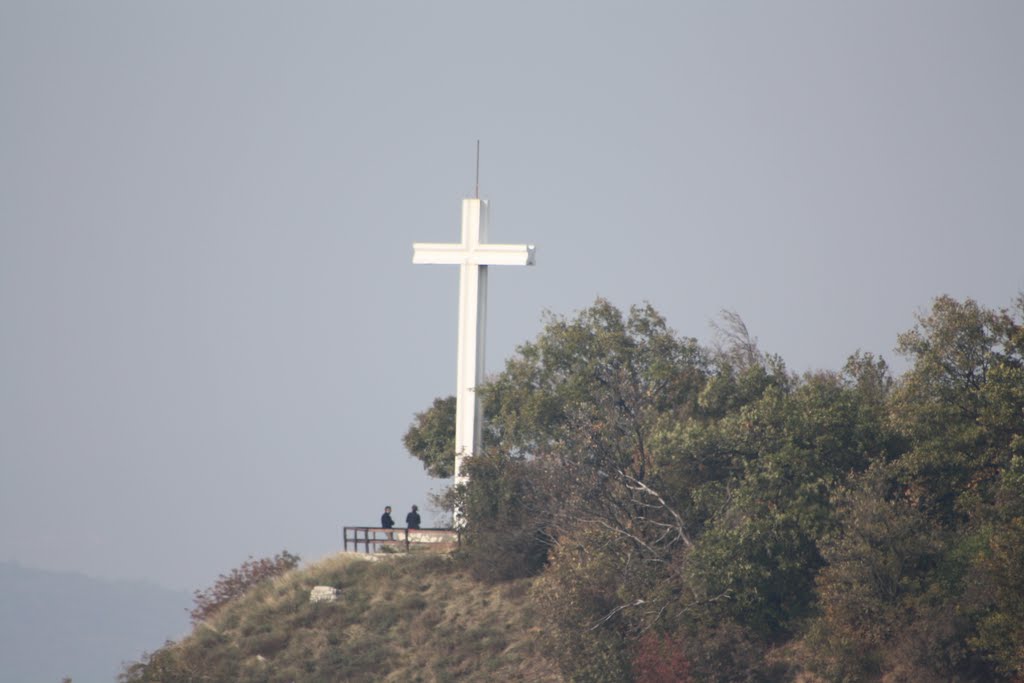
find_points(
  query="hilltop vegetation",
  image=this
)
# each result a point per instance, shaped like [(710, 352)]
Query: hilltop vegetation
[(649, 509), (707, 512)]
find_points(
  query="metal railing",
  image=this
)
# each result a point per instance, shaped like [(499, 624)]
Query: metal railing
[(373, 539)]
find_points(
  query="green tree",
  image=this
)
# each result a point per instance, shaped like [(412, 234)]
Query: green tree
[(917, 584), (712, 500), (958, 406), (509, 509), (431, 438), (798, 446), (997, 578), (880, 562), (571, 452), (595, 387)]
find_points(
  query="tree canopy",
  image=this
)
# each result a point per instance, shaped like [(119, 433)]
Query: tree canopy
[(708, 508)]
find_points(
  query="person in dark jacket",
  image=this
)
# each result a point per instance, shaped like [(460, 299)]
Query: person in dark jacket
[(412, 520), (386, 521)]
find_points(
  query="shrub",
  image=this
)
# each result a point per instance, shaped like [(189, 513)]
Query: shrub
[(230, 586), (658, 659)]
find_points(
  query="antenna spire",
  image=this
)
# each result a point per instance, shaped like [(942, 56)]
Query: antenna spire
[(477, 169)]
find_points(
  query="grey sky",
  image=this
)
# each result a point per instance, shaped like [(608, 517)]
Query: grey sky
[(212, 336)]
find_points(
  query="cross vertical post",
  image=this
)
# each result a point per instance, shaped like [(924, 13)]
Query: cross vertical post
[(473, 255), (472, 341)]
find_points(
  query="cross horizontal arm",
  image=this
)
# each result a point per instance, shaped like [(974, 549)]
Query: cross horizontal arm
[(448, 254), (483, 255)]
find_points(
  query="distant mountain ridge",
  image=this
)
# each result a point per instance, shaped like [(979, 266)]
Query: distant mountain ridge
[(61, 624)]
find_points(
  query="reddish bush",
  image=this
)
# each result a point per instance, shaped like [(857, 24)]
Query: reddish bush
[(230, 586), (660, 659)]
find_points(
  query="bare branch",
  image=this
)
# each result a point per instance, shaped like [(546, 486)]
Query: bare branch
[(605, 618), (733, 341), (637, 485)]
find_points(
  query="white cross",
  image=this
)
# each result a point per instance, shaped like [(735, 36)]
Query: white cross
[(472, 255)]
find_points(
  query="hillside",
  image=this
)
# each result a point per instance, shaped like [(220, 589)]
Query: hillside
[(401, 618), (689, 514)]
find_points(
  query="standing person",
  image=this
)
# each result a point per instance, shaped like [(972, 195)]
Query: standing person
[(412, 520), (386, 521)]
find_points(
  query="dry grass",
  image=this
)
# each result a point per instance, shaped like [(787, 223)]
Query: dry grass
[(403, 618)]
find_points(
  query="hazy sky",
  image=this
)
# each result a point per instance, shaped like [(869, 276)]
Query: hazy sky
[(212, 337)]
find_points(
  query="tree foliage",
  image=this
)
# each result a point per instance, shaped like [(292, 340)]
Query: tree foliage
[(431, 438), (705, 506)]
